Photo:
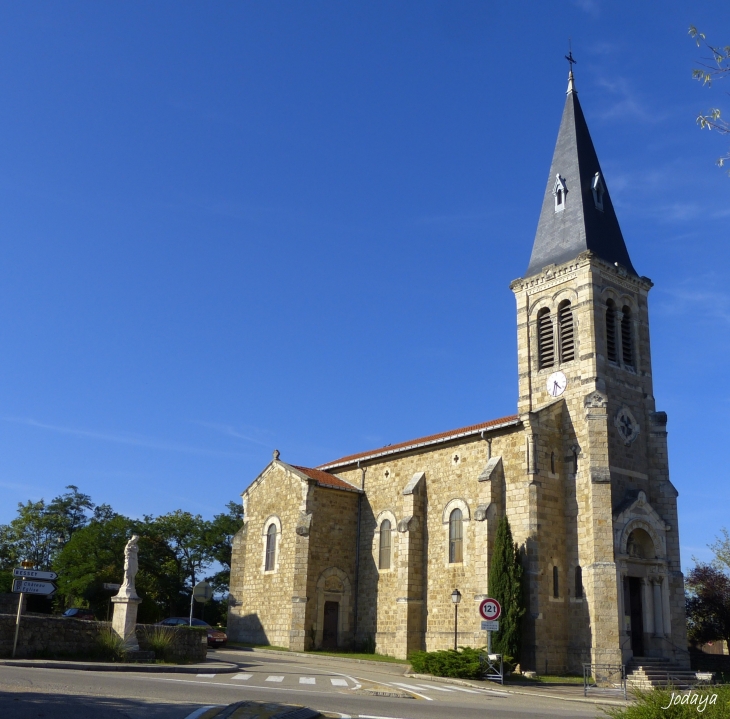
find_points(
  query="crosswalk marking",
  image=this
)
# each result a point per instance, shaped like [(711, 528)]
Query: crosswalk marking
[(274, 678), (436, 689), (338, 682), (207, 676), (242, 677), (461, 689), (307, 680), (407, 686)]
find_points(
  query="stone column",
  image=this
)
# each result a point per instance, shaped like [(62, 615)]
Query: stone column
[(124, 620), (648, 602), (658, 613)]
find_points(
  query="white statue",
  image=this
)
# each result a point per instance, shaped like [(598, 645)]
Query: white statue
[(131, 565)]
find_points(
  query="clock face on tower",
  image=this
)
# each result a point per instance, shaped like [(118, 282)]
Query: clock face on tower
[(556, 384)]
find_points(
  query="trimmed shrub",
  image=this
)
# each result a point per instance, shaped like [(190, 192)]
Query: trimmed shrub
[(463, 663)]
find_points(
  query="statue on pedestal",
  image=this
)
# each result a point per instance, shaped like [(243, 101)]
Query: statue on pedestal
[(124, 621)]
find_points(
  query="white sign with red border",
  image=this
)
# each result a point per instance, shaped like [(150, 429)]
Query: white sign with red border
[(490, 609)]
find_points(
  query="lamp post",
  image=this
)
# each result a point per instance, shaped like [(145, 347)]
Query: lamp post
[(456, 598)]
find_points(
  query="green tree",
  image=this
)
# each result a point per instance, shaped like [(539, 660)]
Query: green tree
[(708, 604), (219, 540), (505, 585), (714, 67)]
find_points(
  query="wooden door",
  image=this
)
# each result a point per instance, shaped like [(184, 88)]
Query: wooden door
[(331, 620)]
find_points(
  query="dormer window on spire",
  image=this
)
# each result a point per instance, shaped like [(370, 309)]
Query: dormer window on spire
[(599, 190), (560, 192)]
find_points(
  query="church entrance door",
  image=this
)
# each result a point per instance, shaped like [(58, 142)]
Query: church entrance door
[(637, 617), (331, 620)]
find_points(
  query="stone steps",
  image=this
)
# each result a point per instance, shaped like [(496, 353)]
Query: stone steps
[(647, 673)]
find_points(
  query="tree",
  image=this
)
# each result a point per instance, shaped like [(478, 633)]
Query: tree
[(219, 540), (712, 68), (505, 585), (708, 604)]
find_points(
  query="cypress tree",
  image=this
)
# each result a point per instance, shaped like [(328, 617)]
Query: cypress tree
[(505, 585)]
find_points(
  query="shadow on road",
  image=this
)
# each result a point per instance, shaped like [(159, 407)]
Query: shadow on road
[(31, 705)]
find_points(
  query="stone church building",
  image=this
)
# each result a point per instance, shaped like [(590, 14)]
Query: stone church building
[(370, 546)]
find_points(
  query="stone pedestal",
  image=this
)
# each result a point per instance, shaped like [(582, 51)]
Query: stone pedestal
[(124, 620)]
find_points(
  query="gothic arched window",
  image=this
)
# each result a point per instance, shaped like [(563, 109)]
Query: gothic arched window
[(270, 548), (578, 582), (611, 331), (565, 330), (456, 537), (627, 349), (545, 341), (384, 557), (556, 585)]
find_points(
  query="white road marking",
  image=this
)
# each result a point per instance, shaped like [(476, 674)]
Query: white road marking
[(368, 716), (338, 682), (199, 712), (274, 678), (206, 676), (436, 689), (242, 677), (461, 689), (307, 680)]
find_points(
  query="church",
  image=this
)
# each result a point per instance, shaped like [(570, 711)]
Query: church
[(368, 548)]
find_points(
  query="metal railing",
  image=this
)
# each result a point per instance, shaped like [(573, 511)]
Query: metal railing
[(604, 676), (492, 667)]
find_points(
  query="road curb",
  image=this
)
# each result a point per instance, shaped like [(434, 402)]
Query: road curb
[(510, 690), (212, 668), (309, 655)]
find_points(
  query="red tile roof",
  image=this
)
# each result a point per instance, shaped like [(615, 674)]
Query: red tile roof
[(422, 441), (325, 479)]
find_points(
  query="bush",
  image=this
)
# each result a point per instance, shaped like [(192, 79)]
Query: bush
[(463, 663), (650, 705), (111, 645), (160, 640)]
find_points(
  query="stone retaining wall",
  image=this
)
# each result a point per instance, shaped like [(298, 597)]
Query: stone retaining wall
[(54, 636), (709, 662)]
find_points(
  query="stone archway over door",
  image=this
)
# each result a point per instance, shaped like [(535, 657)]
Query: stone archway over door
[(334, 600)]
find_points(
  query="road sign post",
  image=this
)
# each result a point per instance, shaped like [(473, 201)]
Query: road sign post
[(22, 586), (490, 610)]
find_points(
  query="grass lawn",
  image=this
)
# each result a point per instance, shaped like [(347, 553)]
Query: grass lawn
[(346, 655)]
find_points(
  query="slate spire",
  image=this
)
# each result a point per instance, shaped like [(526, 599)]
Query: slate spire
[(577, 212)]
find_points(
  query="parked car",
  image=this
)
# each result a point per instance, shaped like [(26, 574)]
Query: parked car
[(78, 613), (216, 638)]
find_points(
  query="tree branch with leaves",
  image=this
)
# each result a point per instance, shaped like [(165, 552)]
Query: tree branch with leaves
[(712, 68)]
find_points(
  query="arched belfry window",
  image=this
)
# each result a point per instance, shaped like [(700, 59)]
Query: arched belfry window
[(599, 190), (384, 557), (556, 584), (456, 537), (627, 349), (611, 331), (545, 341), (560, 192), (270, 563), (565, 329)]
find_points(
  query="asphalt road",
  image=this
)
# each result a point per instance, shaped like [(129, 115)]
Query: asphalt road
[(335, 688)]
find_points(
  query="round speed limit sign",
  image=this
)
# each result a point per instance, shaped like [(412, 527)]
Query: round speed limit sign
[(490, 609)]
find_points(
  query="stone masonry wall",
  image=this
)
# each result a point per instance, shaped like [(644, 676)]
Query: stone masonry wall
[(54, 636)]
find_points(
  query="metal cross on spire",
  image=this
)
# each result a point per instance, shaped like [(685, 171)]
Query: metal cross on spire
[(571, 62)]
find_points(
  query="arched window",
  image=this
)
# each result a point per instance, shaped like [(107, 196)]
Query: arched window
[(270, 548), (552, 462), (384, 558), (565, 328), (611, 331), (545, 343), (456, 537), (578, 582), (556, 586), (626, 348)]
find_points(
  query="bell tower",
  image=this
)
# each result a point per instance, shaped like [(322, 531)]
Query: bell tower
[(594, 440)]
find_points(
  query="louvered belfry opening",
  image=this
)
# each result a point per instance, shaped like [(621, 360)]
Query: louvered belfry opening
[(567, 339), (611, 331), (627, 349), (545, 342)]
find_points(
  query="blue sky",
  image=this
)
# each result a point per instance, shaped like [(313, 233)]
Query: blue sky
[(232, 227)]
